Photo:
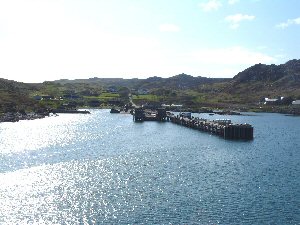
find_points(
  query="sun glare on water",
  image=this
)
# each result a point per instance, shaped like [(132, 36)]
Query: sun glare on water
[(33, 135)]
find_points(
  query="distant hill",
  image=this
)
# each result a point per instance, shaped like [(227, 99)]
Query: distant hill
[(180, 81), (276, 76), (100, 81)]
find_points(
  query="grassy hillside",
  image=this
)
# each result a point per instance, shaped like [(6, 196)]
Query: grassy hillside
[(14, 96), (244, 91), (270, 81)]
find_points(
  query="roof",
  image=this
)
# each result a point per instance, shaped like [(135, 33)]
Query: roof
[(296, 102), (271, 99)]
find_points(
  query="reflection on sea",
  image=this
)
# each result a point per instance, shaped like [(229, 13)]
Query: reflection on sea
[(106, 169)]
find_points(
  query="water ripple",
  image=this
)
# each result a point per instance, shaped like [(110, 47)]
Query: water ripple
[(105, 169)]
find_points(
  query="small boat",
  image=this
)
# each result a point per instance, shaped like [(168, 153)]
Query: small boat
[(211, 114), (113, 110)]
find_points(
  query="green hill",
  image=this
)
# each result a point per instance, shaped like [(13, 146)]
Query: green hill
[(14, 96), (267, 81), (246, 89)]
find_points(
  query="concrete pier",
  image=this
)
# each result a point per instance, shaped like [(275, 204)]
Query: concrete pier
[(223, 128)]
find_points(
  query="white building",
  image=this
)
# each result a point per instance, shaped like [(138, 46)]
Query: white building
[(296, 102), (271, 101)]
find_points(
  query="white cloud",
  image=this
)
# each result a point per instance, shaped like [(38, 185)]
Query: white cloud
[(169, 28), (235, 20), (288, 23), (232, 2), (210, 5)]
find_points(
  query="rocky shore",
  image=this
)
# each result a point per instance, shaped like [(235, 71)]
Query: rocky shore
[(15, 117)]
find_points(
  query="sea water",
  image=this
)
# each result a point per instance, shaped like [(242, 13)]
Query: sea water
[(104, 168)]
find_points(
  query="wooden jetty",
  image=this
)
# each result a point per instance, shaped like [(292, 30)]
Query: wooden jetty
[(223, 128)]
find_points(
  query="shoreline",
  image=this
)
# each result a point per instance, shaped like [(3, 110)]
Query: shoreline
[(55, 111), (15, 117)]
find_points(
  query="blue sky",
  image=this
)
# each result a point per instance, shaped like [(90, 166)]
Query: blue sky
[(52, 39)]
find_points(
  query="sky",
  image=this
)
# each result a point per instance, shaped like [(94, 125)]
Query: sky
[(70, 39)]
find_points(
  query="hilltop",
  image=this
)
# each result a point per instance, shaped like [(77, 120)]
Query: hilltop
[(287, 74), (180, 81), (271, 81)]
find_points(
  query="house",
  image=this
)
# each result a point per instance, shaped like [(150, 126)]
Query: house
[(37, 98), (296, 103), (176, 106), (172, 106), (271, 101), (70, 96), (43, 97)]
